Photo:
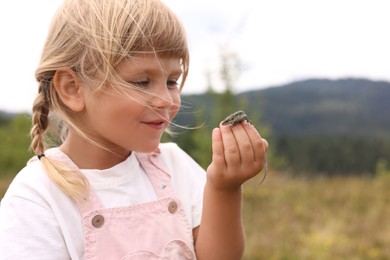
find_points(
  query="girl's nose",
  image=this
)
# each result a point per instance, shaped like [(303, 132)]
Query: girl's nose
[(162, 98)]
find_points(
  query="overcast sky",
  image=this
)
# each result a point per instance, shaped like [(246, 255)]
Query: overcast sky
[(277, 41)]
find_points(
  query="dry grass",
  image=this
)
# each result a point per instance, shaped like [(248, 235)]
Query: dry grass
[(327, 218)]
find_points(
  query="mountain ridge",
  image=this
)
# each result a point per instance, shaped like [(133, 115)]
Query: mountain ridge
[(348, 106)]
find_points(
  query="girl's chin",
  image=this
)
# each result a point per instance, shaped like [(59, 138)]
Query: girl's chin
[(147, 148)]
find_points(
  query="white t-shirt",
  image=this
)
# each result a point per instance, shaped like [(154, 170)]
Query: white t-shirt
[(38, 221)]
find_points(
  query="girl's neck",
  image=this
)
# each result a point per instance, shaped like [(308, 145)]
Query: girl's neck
[(87, 155)]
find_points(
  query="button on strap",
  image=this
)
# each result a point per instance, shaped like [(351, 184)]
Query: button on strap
[(172, 207), (98, 221)]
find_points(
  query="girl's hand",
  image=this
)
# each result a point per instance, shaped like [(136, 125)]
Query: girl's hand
[(238, 155)]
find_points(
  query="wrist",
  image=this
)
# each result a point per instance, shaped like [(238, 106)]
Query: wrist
[(227, 189)]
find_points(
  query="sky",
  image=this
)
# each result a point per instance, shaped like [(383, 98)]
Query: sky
[(276, 41)]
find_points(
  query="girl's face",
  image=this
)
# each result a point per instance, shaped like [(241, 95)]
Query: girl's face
[(134, 119)]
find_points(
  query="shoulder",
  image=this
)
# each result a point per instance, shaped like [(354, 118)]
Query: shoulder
[(28, 185), (28, 210), (32, 176), (32, 184)]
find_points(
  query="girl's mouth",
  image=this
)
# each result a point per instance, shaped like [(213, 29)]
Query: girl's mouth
[(156, 124)]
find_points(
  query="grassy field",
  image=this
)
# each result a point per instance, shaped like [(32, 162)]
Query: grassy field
[(326, 218)]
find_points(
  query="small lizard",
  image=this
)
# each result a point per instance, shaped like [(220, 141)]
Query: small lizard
[(235, 118)]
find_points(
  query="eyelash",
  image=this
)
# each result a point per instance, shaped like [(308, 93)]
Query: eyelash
[(145, 83), (172, 83)]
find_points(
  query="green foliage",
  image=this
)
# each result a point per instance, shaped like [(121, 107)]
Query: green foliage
[(382, 169), (14, 145), (332, 155)]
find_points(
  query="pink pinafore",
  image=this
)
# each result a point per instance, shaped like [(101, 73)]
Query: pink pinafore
[(153, 230)]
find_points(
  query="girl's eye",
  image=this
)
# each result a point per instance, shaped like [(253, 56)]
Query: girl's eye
[(141, 83), (172, 84)]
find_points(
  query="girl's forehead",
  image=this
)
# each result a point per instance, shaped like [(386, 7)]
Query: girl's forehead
[(149, 63)]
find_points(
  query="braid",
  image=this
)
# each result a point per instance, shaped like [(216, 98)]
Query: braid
[(69, 180), (40, 121)]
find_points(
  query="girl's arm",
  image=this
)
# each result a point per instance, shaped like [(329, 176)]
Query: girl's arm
[(238, 155)]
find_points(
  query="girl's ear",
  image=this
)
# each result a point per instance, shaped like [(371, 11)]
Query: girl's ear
[(68, 86)]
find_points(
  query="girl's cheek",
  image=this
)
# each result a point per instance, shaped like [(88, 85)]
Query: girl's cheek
[(176, 101)]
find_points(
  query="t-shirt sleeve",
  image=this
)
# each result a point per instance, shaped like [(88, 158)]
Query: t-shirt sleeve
[(28, 229)]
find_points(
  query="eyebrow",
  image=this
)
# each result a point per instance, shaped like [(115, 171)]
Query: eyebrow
[(138, 70)]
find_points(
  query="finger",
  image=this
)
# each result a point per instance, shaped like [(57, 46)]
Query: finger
[(231, 150), (244, 143), (259, 145), (218, 156)]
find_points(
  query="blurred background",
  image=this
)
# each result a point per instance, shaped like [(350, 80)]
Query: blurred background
[(312, 76)]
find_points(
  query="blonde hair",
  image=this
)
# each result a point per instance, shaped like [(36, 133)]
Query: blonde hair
[(93, 37)]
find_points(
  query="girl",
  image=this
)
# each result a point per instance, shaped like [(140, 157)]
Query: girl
[(109, 82)]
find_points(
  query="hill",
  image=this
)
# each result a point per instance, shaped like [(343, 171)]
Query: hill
[(313, 107)]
